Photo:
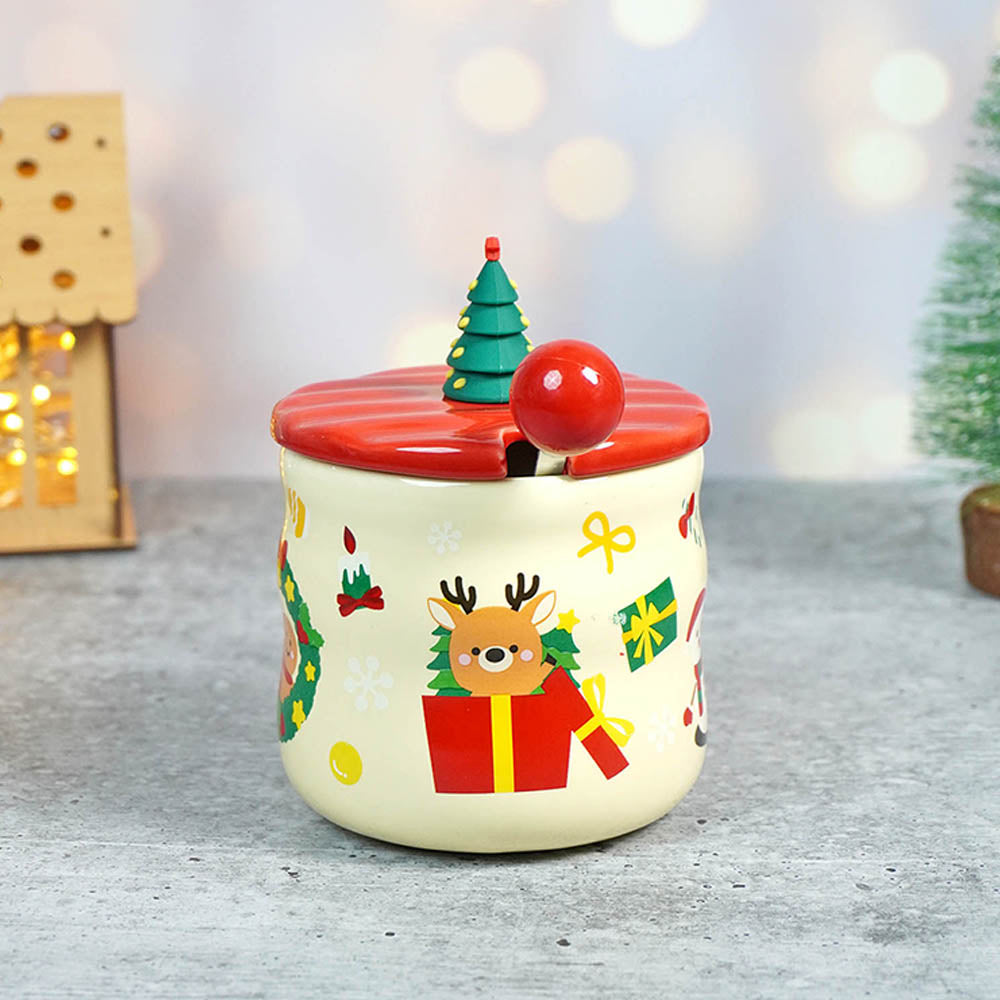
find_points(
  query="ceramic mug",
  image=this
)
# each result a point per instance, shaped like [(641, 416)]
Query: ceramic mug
[(487, 666)]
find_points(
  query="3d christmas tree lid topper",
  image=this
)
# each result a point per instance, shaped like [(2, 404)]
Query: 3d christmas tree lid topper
[(492, 343), (566, 398)]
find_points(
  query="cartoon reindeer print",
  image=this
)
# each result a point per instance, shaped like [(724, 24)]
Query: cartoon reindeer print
[(496, 649)]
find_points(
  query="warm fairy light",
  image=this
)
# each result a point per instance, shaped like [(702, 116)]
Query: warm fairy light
[(41, 393), (853, 40), (885, 431), (70, 452), (911, 87), (9, 346), (500, 89), (708, 191), (844, 427), (17, 457), (654, 23), (880, 168), (589, 179), (812, 442), (8, 400), (66, 466), (67, 340), (12, 422)]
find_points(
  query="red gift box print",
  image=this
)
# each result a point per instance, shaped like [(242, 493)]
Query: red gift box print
[(518, 709), (520, 743)]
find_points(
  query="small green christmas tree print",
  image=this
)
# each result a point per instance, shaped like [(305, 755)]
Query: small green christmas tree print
[(444, 682), (559, 647), (492, 343), (958, 399)]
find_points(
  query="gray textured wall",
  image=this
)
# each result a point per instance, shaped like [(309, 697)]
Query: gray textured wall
[(754, 209)]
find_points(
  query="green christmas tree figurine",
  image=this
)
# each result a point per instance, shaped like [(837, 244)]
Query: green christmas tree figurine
[(492, 343), (958, 399)]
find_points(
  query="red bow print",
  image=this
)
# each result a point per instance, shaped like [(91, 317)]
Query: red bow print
[(369, 599)]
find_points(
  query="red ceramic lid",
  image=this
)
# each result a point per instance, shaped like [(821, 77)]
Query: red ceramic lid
[(398, 421)]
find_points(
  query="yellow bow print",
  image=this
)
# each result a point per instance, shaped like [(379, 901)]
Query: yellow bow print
[(606, 538), (620, 730), (641, 630)]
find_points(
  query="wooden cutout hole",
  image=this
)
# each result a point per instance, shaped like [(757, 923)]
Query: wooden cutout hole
[(63, 201), (105, 231), (64, 279), (58, 132), (31, 244), (101, 142), (27, 168)]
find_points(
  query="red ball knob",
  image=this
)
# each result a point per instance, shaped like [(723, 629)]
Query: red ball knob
[(567, 397)]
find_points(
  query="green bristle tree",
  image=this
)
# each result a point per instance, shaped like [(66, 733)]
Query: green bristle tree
[(958, 397)]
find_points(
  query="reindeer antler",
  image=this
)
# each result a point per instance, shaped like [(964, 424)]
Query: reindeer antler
[(466, 601), (516, 600)]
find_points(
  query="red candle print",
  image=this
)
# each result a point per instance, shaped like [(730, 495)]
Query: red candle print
[(349, 543)]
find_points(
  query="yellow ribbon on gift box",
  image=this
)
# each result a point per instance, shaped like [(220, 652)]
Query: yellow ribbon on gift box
[(620, 730), (641, 630), (502, 736)]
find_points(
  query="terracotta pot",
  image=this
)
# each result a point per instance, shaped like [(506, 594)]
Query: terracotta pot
[(981, 530)]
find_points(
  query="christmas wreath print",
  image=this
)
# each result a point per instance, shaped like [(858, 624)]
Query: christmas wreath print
[(300, 661)]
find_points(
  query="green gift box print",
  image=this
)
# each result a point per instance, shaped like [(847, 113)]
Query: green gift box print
[(649, 624)]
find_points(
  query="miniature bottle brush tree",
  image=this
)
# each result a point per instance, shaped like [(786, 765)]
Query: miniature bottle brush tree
[(958, 399)]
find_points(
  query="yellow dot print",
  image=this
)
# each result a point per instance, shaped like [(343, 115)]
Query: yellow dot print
[(463, 322), (459, 383), (458, 352), (345, 762)]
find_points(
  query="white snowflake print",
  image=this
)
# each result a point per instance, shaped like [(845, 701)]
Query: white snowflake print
[(366, 682), (662, 729), (620, 619), (444, 537)]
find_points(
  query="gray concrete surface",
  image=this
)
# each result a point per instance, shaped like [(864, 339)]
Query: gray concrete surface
[(842, 840)]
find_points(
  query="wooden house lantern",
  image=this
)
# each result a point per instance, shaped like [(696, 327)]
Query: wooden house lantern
[(66, 277)]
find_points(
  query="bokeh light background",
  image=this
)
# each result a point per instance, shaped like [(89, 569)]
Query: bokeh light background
[(744, 196)]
